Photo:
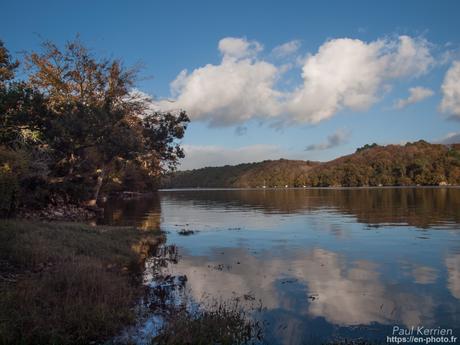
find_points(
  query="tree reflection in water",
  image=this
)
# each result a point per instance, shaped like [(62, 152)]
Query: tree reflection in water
[(324, 262)]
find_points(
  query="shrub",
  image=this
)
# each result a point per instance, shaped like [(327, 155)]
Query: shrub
[(9, 189)]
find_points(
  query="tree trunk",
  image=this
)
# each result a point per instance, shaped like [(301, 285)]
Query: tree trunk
[(72, 163), (97, 189)]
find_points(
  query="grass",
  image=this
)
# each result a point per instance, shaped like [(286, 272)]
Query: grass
[(67, 283), (223, 323)]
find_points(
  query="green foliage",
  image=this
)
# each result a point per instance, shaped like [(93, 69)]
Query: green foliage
[(366, 147)]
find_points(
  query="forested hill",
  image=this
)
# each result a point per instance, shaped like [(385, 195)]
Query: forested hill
[(270, 173), (418, 163)]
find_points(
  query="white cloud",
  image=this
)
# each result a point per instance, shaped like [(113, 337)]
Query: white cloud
[(408, 56), (286, 49), (416, 94), (338, 138), (238, 48), (344, 73), (349, 73), (450, 103), (236, 90), (204, 156)]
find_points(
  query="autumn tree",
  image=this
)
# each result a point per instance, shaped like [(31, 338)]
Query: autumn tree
[(82, 112), (98, 124), (7, 65)]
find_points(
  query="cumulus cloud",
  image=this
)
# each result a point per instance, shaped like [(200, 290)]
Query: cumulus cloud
[(286, 49), (236, 90), (450, 102), (343, 73), (338, 138), (208, 155), (349, 73), (416, 94)]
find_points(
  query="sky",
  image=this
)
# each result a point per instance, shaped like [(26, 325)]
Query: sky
[(273, 79)]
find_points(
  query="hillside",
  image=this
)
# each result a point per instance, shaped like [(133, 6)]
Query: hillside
[(271, 173), (418, 163)]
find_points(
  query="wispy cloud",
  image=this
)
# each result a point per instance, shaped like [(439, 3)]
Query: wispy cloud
[(286, 49), (416, 94), (338, 138)]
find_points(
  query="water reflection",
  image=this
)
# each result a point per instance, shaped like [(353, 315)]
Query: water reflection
[(144, 213), (424, 275), (345, 263), (453, 269), (419, 207), (307, 287)]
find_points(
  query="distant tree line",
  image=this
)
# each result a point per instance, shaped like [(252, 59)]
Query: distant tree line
[(72, 128), (418, 163)]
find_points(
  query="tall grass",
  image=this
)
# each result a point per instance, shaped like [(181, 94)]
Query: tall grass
[(221, 322), (68, 283)]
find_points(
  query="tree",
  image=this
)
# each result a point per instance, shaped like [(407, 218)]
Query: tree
[(7, 65), (82, 112), (23, 158), (98, 123), (19, 106)]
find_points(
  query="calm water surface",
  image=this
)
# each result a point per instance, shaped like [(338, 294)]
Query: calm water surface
[(324, 263)]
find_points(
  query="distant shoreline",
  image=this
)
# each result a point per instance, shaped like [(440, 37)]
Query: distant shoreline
[(304, 188), (413, 164)]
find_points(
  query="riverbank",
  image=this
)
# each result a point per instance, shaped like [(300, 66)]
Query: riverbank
[(69, 283), (63, 212)]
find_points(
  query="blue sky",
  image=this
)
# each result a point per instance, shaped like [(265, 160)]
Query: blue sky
[(271, 79)]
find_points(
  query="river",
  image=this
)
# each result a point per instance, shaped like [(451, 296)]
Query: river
[(325, 264)]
